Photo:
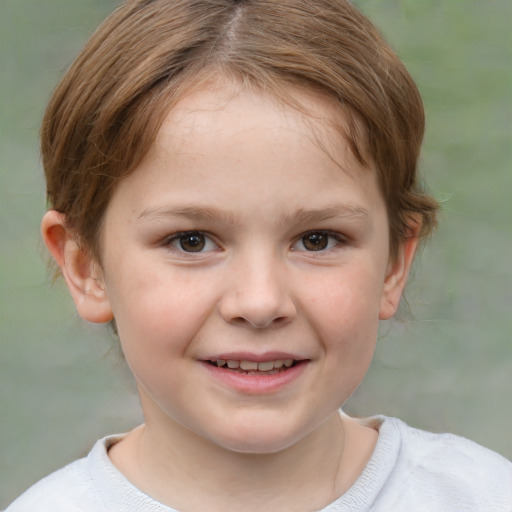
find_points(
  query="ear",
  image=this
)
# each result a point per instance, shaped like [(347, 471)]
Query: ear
[(83, 276), (398, 272)]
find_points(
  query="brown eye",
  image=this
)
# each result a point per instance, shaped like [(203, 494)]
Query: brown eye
[(192, 242), (316, 241)]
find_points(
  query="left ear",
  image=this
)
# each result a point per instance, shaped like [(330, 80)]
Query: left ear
[(398, 272)]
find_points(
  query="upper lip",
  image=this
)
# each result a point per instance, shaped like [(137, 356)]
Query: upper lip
[(250, 356)]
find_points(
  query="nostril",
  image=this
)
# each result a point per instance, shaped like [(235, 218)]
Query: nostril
[(257, 306), (260, 323)]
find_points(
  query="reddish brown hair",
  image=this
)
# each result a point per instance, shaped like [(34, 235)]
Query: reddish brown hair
[(105, 113)]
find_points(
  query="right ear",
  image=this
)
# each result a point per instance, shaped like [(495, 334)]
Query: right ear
[(82, 274)]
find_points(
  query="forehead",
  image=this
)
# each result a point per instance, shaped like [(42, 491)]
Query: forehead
[(217, 97), (252, 153), (223, 108)]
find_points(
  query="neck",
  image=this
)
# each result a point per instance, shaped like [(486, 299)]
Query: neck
[(189, 473)]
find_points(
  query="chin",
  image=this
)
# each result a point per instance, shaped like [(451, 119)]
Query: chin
[(258, 437)]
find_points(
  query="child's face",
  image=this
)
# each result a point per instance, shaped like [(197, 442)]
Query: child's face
[(240, 239)]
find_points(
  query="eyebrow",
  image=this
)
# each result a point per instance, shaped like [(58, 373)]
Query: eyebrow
[(204, 213), (350, 212), (198, 213)]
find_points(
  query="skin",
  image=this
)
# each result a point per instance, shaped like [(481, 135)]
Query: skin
[(248, 175)]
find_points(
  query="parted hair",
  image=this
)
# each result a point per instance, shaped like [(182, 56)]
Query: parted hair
[(104, 115)]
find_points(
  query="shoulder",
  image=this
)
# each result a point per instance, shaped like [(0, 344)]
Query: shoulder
[(68, 489), (452, 472), (92, 484), (77, 487), (448, 453)]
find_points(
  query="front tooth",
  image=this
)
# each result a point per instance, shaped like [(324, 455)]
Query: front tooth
[(233, 364), (279, 363), (248, 365), (266, 366), (288, 362)]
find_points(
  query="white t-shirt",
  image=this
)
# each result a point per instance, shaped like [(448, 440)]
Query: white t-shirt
[(409, 471)]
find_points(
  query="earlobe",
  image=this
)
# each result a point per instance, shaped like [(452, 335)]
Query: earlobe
[(397, 274), (83, 276)]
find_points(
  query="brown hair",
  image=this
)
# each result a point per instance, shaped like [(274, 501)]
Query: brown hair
[(105, 113)]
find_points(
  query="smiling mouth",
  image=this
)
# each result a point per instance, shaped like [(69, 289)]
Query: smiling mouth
[(255, 367)]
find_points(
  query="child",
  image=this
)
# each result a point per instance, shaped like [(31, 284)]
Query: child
[(233, 186)]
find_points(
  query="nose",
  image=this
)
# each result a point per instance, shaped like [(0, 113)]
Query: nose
[(258, 294)]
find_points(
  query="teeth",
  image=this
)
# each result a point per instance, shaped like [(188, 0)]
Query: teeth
[(248, 365), (264, 366)]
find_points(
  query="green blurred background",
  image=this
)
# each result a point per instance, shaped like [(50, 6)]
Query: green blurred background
[(446, 366)]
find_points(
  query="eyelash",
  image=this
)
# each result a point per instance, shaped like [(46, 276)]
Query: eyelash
[(203, 240)]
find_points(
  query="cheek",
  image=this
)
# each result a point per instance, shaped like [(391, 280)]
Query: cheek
[(346, 295), (160, 312), (344, 310), (349, 336)]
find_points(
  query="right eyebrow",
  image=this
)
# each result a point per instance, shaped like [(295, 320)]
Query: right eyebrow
[(198, 213)]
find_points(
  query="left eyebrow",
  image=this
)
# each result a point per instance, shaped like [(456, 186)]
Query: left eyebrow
[(349, 212)]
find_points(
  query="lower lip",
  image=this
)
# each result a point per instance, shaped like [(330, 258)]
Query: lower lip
[(256, 383)]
